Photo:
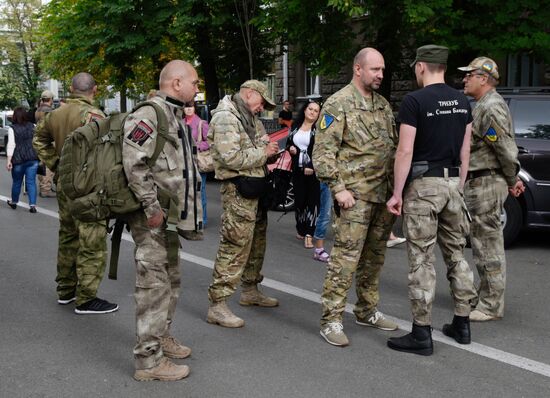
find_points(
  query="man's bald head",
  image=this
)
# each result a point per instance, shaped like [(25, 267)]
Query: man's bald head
[(365, 55), (83, 83), (179, 80)]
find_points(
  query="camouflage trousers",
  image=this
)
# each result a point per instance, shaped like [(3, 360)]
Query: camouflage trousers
[(434, 210), (242, 246), (360, 236), (45, 182), (485, 198), (81, 255), (157, 290)]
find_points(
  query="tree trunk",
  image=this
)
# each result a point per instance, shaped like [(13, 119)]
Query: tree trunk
[(123, 99)]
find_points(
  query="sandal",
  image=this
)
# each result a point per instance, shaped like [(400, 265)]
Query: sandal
[(308, 242), (321, 255), (298, 236)]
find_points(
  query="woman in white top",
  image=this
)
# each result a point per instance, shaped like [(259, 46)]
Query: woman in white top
[(306, 185)]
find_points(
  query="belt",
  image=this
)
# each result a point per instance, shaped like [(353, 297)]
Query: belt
[(442, 172), (482, 173)]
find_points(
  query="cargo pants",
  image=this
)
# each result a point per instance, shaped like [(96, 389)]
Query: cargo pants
[(242, 246), (485, 198), (434, 211)]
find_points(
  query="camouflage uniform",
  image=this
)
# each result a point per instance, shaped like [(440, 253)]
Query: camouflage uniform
[(354, 150), (493, 149), (434, 211), (244, 221), (82, 247), (157, 274), (45, 181)]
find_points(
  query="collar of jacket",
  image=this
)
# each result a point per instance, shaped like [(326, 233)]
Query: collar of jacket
[(170, 100), (80, 97), (364, 103)]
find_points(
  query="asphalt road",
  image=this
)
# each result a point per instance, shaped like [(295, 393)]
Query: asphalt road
[(48, 351)]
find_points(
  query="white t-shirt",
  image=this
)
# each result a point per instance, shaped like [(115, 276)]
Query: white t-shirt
[(301, 141)]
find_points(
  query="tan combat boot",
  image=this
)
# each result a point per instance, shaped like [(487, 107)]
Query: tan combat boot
[(164, 371), (250, 295), (172, 348), (220, 314)]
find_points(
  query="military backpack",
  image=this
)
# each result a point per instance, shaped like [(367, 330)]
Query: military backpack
[(90, 168)]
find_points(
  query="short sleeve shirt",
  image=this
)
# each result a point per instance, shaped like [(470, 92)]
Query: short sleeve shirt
[(440, 114)]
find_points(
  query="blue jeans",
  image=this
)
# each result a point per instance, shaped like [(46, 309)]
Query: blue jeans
[(203, 199), (325, 207), (28, 170)]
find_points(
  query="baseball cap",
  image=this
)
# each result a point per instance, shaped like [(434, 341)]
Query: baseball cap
[(46, 94), (432, 54), (262, 90), (483, 64)]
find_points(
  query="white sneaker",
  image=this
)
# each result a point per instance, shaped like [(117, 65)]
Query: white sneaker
[(395, 242)]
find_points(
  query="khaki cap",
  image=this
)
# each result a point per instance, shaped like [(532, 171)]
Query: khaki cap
[(46, 94), (262, 90), (432, 54), (483, 64)]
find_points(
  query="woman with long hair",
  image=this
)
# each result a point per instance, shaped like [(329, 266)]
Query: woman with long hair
[(306, 185), (21, 158)]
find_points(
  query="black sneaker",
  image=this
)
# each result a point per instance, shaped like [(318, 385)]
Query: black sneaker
[(67, 299), (96, 306)]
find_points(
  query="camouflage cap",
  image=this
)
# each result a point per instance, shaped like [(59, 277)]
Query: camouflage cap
[(432, 54), (46, 94), (483, 64), (262, 90)]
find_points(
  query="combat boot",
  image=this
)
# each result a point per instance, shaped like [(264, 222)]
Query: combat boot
[(250, 295), (220, 314), (419, 341), (459, 329), (172, 348), (164, 371)]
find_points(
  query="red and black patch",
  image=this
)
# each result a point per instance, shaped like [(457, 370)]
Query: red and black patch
[(94, 117), (140, 133)]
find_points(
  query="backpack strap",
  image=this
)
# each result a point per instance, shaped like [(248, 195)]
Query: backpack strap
[(115, 247)]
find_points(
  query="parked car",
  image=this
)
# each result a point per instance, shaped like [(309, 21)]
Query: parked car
[(5, 121), (531, 116)]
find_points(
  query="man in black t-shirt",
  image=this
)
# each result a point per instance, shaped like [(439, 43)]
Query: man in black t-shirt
[(434, 144), (285, 116)]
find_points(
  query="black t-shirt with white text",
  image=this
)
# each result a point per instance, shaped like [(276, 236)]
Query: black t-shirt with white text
[(440, 114)]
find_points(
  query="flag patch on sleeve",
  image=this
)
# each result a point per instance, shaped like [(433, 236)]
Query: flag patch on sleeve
[(491, 134), (326, 121), (140, 133)]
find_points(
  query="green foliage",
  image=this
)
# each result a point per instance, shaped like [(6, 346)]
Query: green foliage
[(20, 72)]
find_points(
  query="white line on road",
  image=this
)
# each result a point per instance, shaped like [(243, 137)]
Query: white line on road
[(475, 348)]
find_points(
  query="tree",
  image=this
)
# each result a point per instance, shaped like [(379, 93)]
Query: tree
[(122, 43), (22, 67)]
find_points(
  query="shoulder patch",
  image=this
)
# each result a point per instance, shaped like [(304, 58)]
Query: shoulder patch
[(326, 121), (140, 133), (92, 117), (491, 134)]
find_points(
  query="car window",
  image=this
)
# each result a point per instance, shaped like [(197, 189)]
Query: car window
[(532, 119)]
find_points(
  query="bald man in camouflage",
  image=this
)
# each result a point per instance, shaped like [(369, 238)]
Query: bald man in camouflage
[(493, 173), (171, 186), (82, 248)]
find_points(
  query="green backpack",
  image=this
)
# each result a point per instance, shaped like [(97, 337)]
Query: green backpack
[(91, 172)]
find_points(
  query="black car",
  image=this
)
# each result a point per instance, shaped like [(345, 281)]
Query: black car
[(531, 116)]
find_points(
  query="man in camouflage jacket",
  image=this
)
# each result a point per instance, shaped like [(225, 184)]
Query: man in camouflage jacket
[(493, 173), (169, 191), (82, 247), (354, 151), (240, 149)]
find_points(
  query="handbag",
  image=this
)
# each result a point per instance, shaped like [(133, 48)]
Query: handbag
[(41, 170), (204, 158), (251, 187)]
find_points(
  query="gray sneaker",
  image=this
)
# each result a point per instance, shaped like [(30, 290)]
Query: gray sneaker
[(377, 320), (333, 333)]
